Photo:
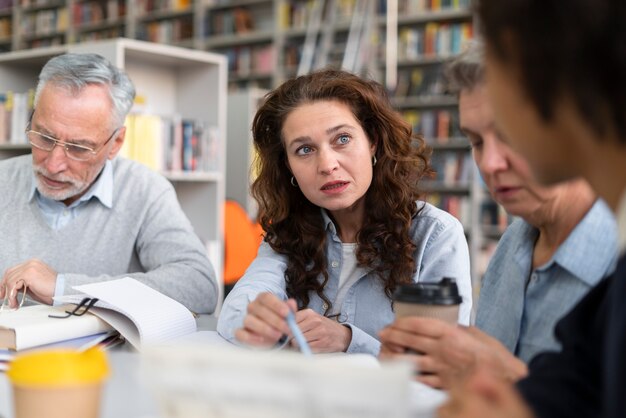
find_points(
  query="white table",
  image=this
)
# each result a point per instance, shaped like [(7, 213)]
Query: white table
[(126, 395)]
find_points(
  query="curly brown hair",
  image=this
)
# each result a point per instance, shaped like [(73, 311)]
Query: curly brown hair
[(294, 226)]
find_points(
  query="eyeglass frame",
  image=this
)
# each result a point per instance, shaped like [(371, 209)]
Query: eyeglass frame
[(64, 144)]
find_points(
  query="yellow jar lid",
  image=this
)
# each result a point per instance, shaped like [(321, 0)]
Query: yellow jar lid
[(60, 367)]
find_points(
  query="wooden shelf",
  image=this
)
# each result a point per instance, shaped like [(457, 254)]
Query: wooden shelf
[(236, 3), (101, 25), (163, 14), (37, 7), (432, 16), (236, 39)]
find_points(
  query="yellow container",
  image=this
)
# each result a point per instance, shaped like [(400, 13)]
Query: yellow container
[(58, 383)]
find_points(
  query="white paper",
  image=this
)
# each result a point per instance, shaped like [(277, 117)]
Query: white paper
[(230, 382)]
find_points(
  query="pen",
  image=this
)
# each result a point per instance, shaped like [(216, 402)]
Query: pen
[(297, 334)]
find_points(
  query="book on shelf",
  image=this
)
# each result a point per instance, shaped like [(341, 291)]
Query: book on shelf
[(458, 206), (167, 31), (433, 40), (420, 81), (150, 6), (493, 216), (439, 124), (421, 6), (171, 143), (452, 167), (234, 21), (84, 13), (15, 109), (45, 22)]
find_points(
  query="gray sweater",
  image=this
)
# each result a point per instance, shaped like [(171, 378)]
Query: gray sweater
[(145, 235)]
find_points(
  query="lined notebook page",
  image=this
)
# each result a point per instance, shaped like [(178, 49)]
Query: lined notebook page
[(158, 318)]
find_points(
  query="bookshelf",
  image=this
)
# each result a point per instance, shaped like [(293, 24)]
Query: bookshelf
[(244, 31), (262, 41), (171, 81), (429, 33), (94, 20)]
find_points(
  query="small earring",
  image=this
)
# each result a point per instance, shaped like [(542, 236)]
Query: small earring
[(293, 182), (374, 160)]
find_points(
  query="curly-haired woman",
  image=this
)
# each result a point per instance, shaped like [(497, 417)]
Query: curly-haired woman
[(338, 189)]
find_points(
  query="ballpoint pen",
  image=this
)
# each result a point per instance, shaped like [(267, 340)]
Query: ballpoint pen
[(297, 334)]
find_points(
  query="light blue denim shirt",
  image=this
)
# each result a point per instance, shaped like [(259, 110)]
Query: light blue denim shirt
[(57, 215), (520, 306), (441, 252)]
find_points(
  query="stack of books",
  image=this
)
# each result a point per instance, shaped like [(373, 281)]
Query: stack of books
[(106, 314), (32, 328)]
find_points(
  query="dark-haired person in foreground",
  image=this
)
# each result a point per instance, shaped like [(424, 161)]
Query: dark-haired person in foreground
[(338, 196), (555, 77)]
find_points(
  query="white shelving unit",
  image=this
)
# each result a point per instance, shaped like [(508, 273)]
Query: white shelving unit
[(172, 80), (242, 106)]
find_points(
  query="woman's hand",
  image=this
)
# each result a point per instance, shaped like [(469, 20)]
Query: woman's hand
[(324, 335), (265, 322)]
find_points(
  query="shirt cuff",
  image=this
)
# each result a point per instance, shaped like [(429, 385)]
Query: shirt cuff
[(362, 342), (59, 289)]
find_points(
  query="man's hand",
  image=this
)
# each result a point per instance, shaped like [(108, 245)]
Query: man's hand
[(265, 323), (444, 353), (324, 335), (484, 396), (34, 275)]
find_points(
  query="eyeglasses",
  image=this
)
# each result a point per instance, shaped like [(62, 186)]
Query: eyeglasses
[(73, 151)]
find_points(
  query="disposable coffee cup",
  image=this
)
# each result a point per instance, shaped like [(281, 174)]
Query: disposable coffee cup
[(433, 300), (58, 383)]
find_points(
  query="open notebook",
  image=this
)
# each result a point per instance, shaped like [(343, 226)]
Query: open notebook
[(141, 314)]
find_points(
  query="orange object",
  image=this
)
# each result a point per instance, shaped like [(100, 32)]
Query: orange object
[(242, 238)]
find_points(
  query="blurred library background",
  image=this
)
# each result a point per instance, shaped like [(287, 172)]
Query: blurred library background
[(259, 44)]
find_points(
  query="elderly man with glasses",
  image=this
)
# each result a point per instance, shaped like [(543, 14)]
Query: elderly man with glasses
[(73, 213)]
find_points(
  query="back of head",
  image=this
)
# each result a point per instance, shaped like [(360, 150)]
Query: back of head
[(466, 70), (74, 72), (564, 49)]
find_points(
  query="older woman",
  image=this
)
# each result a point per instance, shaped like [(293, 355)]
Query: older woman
[(338, 194)]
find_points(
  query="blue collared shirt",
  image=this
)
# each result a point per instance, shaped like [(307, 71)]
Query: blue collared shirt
[(441, 252), (57, 214), (520, 306)]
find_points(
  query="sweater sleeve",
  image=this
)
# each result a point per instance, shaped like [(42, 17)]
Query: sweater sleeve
[(265, 274), (172, 257)]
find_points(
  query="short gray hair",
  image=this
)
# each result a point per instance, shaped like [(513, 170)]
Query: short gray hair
[(466, 70), (77, 71)]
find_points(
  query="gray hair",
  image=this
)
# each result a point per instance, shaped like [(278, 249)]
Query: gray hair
[(77, 71), (466, 70)]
